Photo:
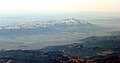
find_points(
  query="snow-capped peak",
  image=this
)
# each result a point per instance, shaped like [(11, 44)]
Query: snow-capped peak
[(74, 21)]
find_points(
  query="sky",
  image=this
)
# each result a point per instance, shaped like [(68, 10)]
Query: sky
[(50, 7), (47, 6)]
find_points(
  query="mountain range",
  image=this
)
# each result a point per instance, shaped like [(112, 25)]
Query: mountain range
[(39, 24), (48, 27)]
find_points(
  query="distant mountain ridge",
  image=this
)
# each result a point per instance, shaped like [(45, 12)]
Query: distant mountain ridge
[(48, 27), (38, 24)]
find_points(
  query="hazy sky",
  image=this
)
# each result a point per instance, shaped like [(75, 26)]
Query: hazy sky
[(34, 6), (49, 7)]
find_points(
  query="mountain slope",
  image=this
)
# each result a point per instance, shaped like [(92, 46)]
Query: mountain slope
[(90, 46)]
